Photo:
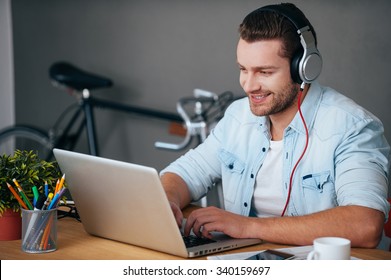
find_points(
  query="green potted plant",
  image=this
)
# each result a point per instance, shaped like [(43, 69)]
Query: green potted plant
[(28, 170)]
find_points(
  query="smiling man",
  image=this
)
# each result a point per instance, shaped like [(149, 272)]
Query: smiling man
[(297, 160)]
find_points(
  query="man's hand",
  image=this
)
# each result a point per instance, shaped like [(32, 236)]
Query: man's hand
[(177, 213), (364, 230), (206, 220)]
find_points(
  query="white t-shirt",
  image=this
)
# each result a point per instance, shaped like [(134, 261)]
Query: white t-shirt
[(268, 199)]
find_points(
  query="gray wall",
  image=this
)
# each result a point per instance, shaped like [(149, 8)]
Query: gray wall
[(158, 51), (6, 66)]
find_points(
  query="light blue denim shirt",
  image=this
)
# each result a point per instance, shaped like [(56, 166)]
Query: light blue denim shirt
[(346, 163)]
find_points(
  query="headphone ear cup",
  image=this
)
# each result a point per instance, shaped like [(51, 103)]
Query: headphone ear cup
[(295, 64)]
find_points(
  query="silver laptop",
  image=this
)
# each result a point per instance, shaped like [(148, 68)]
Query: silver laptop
[(126, 202)]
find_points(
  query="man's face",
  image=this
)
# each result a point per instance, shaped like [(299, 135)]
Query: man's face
[(265, 77)]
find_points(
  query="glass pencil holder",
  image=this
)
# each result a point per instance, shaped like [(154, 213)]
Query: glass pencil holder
[(39, 231)]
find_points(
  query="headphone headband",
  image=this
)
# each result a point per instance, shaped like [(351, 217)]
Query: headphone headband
[(293, 16)]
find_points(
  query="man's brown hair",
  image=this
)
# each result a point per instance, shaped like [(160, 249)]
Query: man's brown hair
[(267, 25)]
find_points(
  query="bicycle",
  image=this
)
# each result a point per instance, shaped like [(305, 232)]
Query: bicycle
[(79, 83)]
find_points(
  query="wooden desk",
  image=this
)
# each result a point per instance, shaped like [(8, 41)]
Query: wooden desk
[(75, 244)]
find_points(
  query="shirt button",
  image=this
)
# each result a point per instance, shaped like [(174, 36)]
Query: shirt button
[(263, 149), (231, 166), (245, 204), (252, 176)]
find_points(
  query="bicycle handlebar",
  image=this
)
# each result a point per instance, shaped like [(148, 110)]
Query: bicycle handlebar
[(199, 124)]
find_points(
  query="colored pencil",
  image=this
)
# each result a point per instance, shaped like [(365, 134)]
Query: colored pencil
[(23, 195), (21, 203)]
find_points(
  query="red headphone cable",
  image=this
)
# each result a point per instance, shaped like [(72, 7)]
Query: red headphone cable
[(302, 154)]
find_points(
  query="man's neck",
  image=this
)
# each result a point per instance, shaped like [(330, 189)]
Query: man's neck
[(279, 122)]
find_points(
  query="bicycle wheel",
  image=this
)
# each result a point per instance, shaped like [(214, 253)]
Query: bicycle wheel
[(25, 138)]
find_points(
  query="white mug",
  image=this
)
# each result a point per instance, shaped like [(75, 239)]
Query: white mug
[(330, 248)]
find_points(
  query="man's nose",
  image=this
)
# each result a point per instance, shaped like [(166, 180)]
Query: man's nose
[(251, 84)]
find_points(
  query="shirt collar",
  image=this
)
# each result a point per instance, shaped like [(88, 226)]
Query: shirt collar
[(309, 107)]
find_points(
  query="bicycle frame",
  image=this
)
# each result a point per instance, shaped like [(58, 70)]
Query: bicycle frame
[(88, 103)]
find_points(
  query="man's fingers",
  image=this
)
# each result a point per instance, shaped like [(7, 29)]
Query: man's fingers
[(196, 222), (177, 213)]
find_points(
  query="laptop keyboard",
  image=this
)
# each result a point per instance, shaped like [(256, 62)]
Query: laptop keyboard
[(193, 240)]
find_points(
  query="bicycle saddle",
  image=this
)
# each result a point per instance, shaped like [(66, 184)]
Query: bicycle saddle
[(68, 75)]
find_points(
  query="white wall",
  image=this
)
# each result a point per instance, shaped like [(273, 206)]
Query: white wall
[(6, 66)]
